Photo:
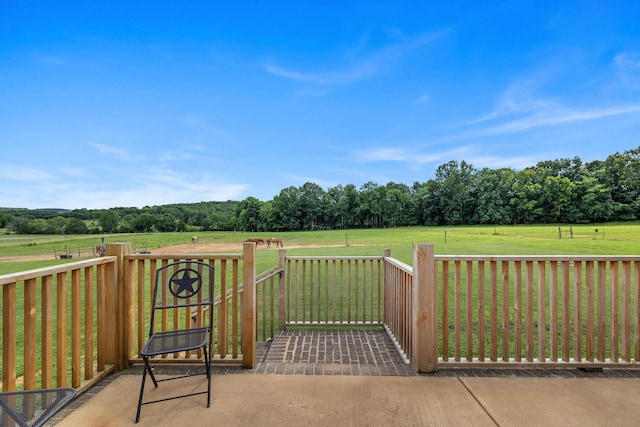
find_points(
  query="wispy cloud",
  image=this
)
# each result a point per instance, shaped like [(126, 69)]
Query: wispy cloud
[(359, 69), (498, 162), (423, 99), (410, 155), (628, 69), (301, 180), (118, 153), (520, 109), (161, 52), (545, 118), (53, 60), (145, 186), (519, 98), (75, 172), (20, 173), (417, 158)]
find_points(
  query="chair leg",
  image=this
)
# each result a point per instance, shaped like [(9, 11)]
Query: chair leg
[(144, 377), (147, 368), (207, 360)]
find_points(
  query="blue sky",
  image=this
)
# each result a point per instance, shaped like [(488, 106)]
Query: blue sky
[(111, 104)]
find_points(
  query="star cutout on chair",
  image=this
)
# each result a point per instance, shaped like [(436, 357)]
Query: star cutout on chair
[(184, 284)]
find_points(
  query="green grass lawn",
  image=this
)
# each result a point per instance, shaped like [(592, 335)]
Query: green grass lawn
[(610, 239), (613, 239)]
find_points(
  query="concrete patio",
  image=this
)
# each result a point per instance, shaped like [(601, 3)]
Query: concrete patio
[(349, 386)]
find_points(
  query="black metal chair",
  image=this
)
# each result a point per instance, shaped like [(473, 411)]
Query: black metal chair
[(183, 302), (29, 408)]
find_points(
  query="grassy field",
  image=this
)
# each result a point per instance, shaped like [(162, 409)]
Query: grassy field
[(610, 239), (618, 238)]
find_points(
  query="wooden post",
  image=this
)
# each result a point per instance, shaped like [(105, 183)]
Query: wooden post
[(386, 298), (424, 310), (130, 288), (282, 295), (116, 297), (249, 333)]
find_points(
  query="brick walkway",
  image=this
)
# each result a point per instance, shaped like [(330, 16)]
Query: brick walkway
[(317, 352)]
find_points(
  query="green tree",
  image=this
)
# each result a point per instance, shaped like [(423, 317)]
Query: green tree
[(455, 200), (108, 220), (144, 223), (369, 209), (5, 220), (286, 210), (492, 192), (526, 198), (166, 223), (248, 215), (398, 206), (556, 198), (75, 226), (312, 205)]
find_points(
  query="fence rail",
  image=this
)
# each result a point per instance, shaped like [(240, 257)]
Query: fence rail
[(74, 323), (398, 300), (56, 325), (542, 310), (333, 290)]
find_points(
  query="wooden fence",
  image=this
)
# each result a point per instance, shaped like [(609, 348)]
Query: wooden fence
[(74, 323), (57, 325), (476, 311), (581, 311)]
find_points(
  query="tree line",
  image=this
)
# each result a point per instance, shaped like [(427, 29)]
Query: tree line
[(555, 191)]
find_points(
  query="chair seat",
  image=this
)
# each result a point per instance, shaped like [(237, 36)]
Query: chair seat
[(175, 341)]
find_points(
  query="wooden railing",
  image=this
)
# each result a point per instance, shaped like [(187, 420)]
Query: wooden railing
[(579, 311), (57, 325), (74, 323), (479, 311), (398, 280), (90, 317), (333, 291)]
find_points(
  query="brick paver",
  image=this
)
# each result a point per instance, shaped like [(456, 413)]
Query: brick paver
[(339, 352)]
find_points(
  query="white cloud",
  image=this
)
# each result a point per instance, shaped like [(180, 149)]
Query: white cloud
[(413, 156), (628, 69), (417, 158), (73, 188), (53, 60), (301, 180), (118, 153), (496, 162), (520, 109), (423, 99), (357, 70), (20, 173), (550, 117)]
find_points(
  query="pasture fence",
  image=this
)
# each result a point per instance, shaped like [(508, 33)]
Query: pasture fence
[(77, 252)]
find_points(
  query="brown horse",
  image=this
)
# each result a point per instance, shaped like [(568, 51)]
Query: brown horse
[(275, 240), (256, 241)]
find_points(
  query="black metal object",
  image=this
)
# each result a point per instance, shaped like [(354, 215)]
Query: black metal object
[(33, 408), (184, 289)]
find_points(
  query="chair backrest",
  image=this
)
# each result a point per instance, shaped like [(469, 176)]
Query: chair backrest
[(183, 296)]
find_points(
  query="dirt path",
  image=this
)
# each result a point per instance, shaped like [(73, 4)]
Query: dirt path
[(174, 249), (187, 248), (25, 258)]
